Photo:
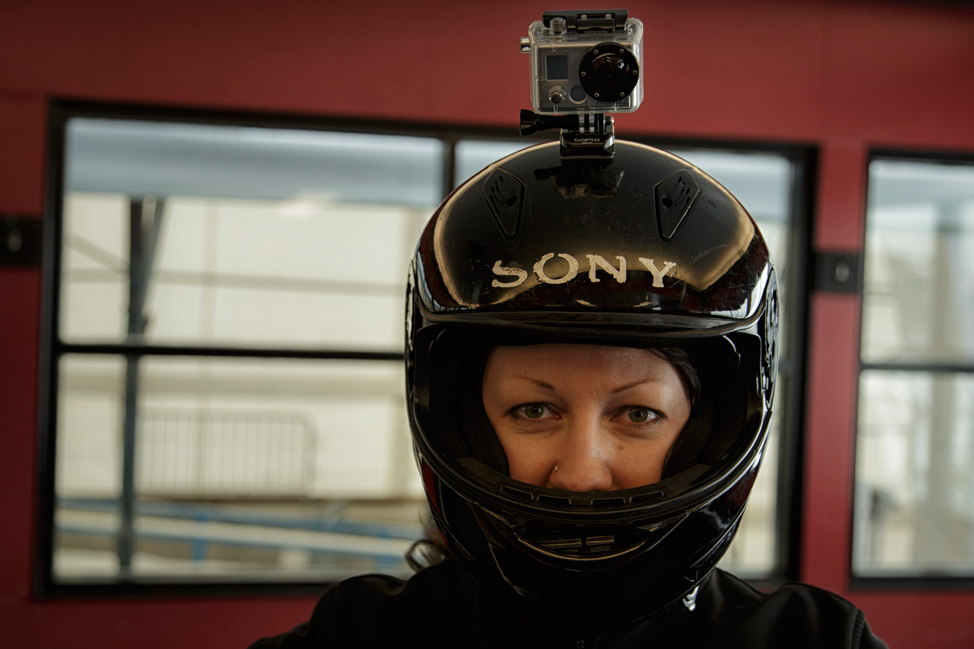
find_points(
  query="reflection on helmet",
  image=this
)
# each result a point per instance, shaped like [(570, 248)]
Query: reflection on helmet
[(643, 251)]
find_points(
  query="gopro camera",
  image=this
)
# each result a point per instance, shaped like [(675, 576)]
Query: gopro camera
[(585, 62)]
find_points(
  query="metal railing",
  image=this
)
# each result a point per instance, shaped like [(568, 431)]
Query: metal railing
[(213, 454)]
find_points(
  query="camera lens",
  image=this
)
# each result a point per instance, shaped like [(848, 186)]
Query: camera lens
[(609, 72)]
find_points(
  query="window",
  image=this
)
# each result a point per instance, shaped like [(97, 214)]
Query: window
[(228, 334), (225, 401), (914, 510), (769, 185)]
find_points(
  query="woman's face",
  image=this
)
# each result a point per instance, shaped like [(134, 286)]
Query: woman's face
[(584, 417)]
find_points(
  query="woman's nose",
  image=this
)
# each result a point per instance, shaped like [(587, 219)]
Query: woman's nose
[(582, 459)]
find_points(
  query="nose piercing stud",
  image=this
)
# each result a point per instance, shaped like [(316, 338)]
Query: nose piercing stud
[(555, 469)]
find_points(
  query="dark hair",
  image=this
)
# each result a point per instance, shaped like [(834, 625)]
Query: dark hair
[(429, 550), (680, 359)]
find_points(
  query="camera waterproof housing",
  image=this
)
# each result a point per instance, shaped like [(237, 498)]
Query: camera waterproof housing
[(584, 65), (585, 62)]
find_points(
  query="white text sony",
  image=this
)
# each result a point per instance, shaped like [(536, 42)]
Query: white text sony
[(514, 276)]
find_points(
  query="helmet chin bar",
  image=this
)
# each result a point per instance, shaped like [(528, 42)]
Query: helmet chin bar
[(627, 586), (577, 545), (580, 530)]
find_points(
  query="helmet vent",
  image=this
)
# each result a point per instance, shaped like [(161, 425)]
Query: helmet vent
[(653, 495), (554, 500), (505, 197), (674, 196), (518, 493), (580, 547), (618, 500), (574, 548)]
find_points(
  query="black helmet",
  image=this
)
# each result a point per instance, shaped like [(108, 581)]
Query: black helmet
[(641, 250)]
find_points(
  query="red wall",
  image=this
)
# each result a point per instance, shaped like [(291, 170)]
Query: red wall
[(839, 75)]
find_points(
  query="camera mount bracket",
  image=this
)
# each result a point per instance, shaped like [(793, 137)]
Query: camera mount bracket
[(588, 135)]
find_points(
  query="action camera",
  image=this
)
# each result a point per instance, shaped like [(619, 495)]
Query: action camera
[(585, 62), (584, 66)]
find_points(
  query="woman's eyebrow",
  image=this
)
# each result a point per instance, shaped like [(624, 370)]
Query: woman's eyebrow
[(537, 382), (633, 384)]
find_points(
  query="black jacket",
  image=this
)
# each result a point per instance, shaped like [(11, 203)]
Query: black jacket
[(441, 607)]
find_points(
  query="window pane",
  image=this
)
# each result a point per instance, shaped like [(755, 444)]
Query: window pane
[(243, 469), (244, 237), (919, 271), (249, 237), (914, 510), (764, 184)]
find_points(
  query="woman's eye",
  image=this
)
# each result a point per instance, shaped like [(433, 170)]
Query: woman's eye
[(640, 415), (533, 411)]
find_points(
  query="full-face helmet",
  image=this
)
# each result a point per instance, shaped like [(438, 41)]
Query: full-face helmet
[(640, 250)]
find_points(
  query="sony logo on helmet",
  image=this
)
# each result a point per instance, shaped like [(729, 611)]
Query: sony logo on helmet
[(516, 276)]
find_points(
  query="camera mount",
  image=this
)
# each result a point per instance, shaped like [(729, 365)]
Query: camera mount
[(589, 135)]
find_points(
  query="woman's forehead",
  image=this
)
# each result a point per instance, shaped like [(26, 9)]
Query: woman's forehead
[(557, 357)]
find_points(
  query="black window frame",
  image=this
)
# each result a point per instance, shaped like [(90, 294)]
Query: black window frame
[(789, 500)]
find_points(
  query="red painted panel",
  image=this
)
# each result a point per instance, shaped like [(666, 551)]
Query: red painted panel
[(901, 73), (752, 69), (22, 129), (931, 620), (216, 624), (843, 170), (832, 384), (19, 295), (418, 60), (738, 69), (21, 178)]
